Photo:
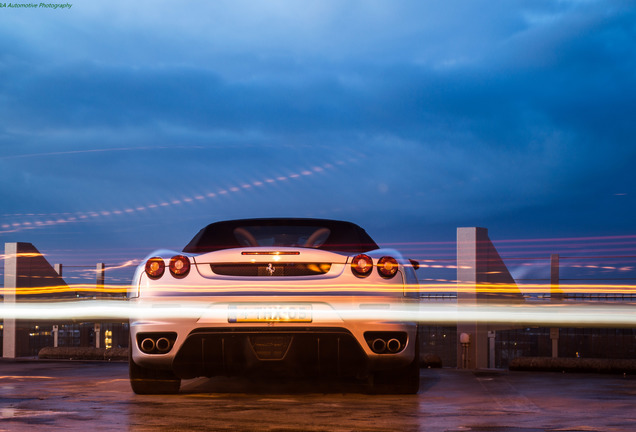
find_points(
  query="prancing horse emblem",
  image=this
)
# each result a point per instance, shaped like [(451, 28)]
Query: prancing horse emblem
[(270, 269)]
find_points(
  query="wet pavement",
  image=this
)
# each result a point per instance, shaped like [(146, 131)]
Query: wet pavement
[(82, 396)]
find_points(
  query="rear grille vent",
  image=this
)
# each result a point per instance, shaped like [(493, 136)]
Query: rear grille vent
[(271, 269)]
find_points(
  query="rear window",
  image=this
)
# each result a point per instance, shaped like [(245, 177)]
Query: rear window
[(293, 236), (309, 233)]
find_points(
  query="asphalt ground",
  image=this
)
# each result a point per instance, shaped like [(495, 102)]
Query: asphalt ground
[(96, 396)]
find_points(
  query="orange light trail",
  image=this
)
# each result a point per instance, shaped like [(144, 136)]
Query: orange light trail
[(371, 289), (21, 255), (21, 377), (62, 289)]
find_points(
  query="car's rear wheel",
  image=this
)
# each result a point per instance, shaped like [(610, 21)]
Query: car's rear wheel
[(405, 380), (152, 381)]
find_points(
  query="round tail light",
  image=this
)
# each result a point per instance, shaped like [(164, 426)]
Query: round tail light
[(387, 267), (362, 265), (179, 266), (155, 267)]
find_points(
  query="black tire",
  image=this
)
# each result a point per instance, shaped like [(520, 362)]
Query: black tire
[(405, 380), (152, 381)]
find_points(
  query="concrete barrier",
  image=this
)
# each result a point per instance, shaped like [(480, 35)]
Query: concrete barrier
[(83, 353), (549, 364)]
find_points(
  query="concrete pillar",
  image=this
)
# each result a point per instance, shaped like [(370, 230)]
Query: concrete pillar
[(98, 332), (55, 330), (473, 352), (10, 285), (59, 268), (556, 295), (482, 279), (9, 332), (100, 271), (27, 276)]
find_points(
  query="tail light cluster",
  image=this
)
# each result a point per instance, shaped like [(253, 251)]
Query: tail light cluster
[(362, 266), (179, 267)]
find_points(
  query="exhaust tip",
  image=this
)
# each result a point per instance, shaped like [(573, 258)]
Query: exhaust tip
[(163, 345), (378, 346), (393, 345), (147, 345)]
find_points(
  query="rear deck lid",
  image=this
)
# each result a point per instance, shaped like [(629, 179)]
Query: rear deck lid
[(270, 262)]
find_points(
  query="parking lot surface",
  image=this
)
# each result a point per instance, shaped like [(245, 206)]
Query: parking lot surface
[(83, 396)]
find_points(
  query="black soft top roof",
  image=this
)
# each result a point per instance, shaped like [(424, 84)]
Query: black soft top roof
[(343, 236)]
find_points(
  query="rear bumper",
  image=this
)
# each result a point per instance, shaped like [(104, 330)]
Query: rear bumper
[(306, 350), (216, 344)]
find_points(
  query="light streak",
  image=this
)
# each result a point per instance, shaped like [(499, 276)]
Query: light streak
[(546, 315), (21, 255), (80, 216), (336, 288), (21, 377), (531, 247), (569, 239), (120, 149), (61, 289), (129, 263)]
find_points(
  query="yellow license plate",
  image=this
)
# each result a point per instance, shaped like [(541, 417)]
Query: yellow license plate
[(295, 313)]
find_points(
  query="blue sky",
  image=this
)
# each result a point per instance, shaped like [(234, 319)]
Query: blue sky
[(127, 126)]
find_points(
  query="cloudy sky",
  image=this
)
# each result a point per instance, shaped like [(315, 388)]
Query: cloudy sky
[(127, 126)]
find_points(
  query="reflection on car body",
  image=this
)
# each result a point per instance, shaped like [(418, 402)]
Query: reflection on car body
[(278, 296)]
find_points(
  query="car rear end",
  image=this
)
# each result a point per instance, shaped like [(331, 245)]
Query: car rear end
[(288, 310)]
